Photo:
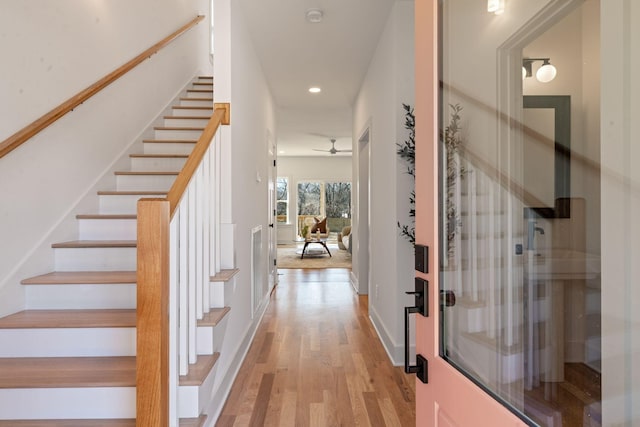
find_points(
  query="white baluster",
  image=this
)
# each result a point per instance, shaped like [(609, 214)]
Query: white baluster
[(191, 243), (183, 327), (206, 234), (174, 301), (198, 185)]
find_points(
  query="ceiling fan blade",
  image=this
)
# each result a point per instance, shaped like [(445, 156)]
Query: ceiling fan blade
[(324, 151), (344, 151)]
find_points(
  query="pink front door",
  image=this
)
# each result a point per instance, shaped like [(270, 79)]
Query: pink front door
[(449, 398), (507, 353)]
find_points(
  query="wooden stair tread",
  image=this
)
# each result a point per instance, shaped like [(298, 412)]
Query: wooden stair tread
[(96, 244), (186, 117), (200, 90), (185, 128), (107, 422), (205, 77), (203, 83), (200, 370), (144, 173), (159, 156), (224, 275), (213, 317), (63, 372), (106, 216), (43, 319), (82, 277), (131, 193), (170, 141), (189, 107), (185, 98)]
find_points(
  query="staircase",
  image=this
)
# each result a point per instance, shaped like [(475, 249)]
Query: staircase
[(69, 359)]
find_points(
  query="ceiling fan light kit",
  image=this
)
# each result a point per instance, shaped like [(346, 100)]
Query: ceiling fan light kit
[(314, 15)]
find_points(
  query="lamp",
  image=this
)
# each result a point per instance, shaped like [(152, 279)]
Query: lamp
[(495, 6), (545, 73)]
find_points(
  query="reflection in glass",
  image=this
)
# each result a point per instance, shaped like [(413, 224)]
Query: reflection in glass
[(521, 207)]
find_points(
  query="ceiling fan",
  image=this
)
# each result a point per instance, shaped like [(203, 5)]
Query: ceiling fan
[(333, 149)]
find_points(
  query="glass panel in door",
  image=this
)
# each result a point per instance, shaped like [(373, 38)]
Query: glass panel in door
[(539, 199)]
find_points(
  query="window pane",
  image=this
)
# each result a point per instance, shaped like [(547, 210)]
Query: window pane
[(281, 211), (282, 189), (338, 199), (309, 198)]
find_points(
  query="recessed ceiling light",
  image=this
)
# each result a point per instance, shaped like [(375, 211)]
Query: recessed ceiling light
[(315, 89), (314, 15)]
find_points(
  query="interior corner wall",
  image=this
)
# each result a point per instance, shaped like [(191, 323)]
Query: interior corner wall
[(51, 51), (240, 81), (388, 84)]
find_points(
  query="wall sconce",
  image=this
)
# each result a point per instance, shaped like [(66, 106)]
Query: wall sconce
[(545, 73), (495, 6)]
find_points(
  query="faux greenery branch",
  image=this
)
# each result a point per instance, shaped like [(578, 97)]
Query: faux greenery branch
[(452, 144), (407, 152)]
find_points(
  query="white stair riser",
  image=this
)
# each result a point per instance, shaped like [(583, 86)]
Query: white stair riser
[(204, 340), (216, 294), (121, 204), (68, 342), (193, 399), (186, 122), (144, 182), (107, 229), (168, 148), (177, 134), (157, 164), (67, 403), (195, 103), (189, 112), (95, 259), (68, 297)]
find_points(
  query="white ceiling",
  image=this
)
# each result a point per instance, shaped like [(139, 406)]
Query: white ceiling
[(333, 54)]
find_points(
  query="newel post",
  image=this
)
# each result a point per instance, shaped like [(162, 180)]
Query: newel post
[(152, 323)]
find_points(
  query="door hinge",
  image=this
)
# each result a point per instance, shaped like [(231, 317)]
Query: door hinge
[(274, 163), (275, 261)]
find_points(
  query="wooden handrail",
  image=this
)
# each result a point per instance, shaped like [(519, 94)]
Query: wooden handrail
[(221, 115), (24, 134)]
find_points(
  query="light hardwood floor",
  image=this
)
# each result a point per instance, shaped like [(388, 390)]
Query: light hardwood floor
[(316, 361)]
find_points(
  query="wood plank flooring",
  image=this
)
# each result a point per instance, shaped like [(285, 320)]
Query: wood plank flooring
[(316, 361)]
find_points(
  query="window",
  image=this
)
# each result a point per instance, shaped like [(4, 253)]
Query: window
[(282, 202), (320, 199)]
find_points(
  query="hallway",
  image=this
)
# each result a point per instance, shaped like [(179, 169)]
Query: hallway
[(316, 361)]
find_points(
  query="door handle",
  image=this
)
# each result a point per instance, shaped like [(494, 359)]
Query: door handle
[(421, 306), (271, 225)]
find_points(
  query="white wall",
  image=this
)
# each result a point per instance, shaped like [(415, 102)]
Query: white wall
[(239, 80), (388, 84), (325, 169), (52, 50)]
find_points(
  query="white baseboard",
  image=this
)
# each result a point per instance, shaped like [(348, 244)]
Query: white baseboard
[(223, 389), (394, 351)]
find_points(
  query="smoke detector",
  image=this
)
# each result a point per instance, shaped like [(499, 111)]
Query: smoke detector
[(314, 15)]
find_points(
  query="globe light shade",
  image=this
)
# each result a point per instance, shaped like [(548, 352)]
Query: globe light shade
[(546, 73)]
